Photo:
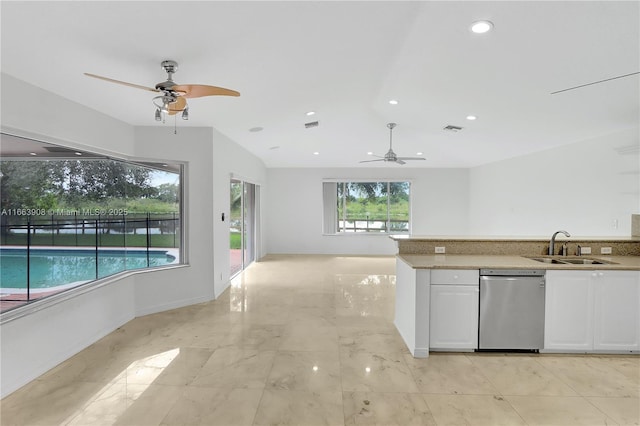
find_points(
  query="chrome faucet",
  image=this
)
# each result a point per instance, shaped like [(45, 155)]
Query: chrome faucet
[(552, 243)]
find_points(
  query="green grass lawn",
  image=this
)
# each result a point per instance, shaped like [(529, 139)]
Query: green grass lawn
[(235, 240)]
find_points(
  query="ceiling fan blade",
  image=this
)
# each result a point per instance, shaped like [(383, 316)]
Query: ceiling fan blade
[(124, 83), (177, 106), (371, 161), (199, 90), (399, 161), (595, 82), (411, 158)]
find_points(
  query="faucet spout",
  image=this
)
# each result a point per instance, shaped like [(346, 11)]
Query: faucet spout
[(552, 243)]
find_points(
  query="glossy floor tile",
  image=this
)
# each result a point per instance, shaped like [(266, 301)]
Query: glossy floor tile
[(310, 340)]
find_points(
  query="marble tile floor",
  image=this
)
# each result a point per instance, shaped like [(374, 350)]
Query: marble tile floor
[(310, 340)]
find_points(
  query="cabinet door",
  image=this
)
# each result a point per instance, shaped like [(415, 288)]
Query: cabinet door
[(568, 310), (616, 311), (453, 317)]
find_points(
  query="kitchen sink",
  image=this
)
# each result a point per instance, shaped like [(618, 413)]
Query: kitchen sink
[(571, 260), (545, 259), (586, 261)]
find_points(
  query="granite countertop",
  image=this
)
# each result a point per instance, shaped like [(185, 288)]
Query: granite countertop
[(470, 261)]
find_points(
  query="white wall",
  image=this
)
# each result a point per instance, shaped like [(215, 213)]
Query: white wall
[(581, 188), (230, 158), (439, 207), (38, 113), (161, 290), (210, 159), (32, 344)]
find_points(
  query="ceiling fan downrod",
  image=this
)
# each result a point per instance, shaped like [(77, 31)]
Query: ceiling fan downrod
[(391, 126)]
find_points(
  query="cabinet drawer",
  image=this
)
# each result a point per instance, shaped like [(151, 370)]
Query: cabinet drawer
[(455, 276)]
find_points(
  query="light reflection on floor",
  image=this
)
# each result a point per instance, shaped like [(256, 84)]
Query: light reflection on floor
[(305, 340), (103, 405)]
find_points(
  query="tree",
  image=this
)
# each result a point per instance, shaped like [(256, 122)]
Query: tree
[(98, 180), (167, 192), (28, 185)]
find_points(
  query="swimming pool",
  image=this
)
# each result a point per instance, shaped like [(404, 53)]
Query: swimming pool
[(54, 267)]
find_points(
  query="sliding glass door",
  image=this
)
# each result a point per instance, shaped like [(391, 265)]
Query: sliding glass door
[(243, 223)]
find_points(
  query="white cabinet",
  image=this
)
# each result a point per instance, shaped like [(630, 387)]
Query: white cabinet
[(592, 310), (568, 310), (617, 311), (453, 314)]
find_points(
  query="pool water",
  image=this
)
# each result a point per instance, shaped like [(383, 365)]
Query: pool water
[(51, 268)]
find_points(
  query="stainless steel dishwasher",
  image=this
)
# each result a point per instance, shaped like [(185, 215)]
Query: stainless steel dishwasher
[(511, 309)]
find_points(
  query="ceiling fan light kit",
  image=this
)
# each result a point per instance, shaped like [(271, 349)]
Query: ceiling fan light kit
[(391, 156), (173, 96)]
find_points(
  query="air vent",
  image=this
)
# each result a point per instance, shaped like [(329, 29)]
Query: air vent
[(311, 124), (451, 128)]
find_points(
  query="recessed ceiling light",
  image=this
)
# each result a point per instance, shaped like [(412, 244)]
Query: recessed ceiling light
[(32, 153), (471, 117), (369, 153), (256, 129), (419, 153), (78, 153), (393, 102), (316, 153), (481, 27), (311, 113)]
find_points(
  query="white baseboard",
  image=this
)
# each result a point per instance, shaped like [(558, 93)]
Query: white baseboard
[(174, 304)]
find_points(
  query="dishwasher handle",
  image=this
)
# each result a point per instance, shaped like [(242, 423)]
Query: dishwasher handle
[(503, 278)]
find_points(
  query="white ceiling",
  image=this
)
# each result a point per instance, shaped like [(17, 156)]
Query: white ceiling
[(346, 60)]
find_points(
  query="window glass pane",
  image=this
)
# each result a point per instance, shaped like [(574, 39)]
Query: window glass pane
[(373, 207), (235, 227), (399, 206), (68, 218), (365, 207)]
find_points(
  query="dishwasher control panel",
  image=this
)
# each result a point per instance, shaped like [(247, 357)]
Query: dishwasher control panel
[(513, 272)]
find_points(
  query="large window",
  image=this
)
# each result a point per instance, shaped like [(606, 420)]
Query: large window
[(69, 217), (366, 207)]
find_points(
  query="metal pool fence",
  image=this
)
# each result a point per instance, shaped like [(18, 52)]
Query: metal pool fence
[(136, 235)]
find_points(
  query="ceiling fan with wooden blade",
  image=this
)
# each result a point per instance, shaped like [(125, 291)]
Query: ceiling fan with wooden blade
[(172, 98), (391, 156)]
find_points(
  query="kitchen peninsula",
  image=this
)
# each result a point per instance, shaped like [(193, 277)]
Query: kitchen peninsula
[(591, 302)]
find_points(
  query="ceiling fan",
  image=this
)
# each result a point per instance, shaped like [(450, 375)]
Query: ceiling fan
[(391, 156), (595, 82), (172, 98)]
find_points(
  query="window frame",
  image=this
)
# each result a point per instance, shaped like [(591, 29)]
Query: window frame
[(330, 210), (180, 168)]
